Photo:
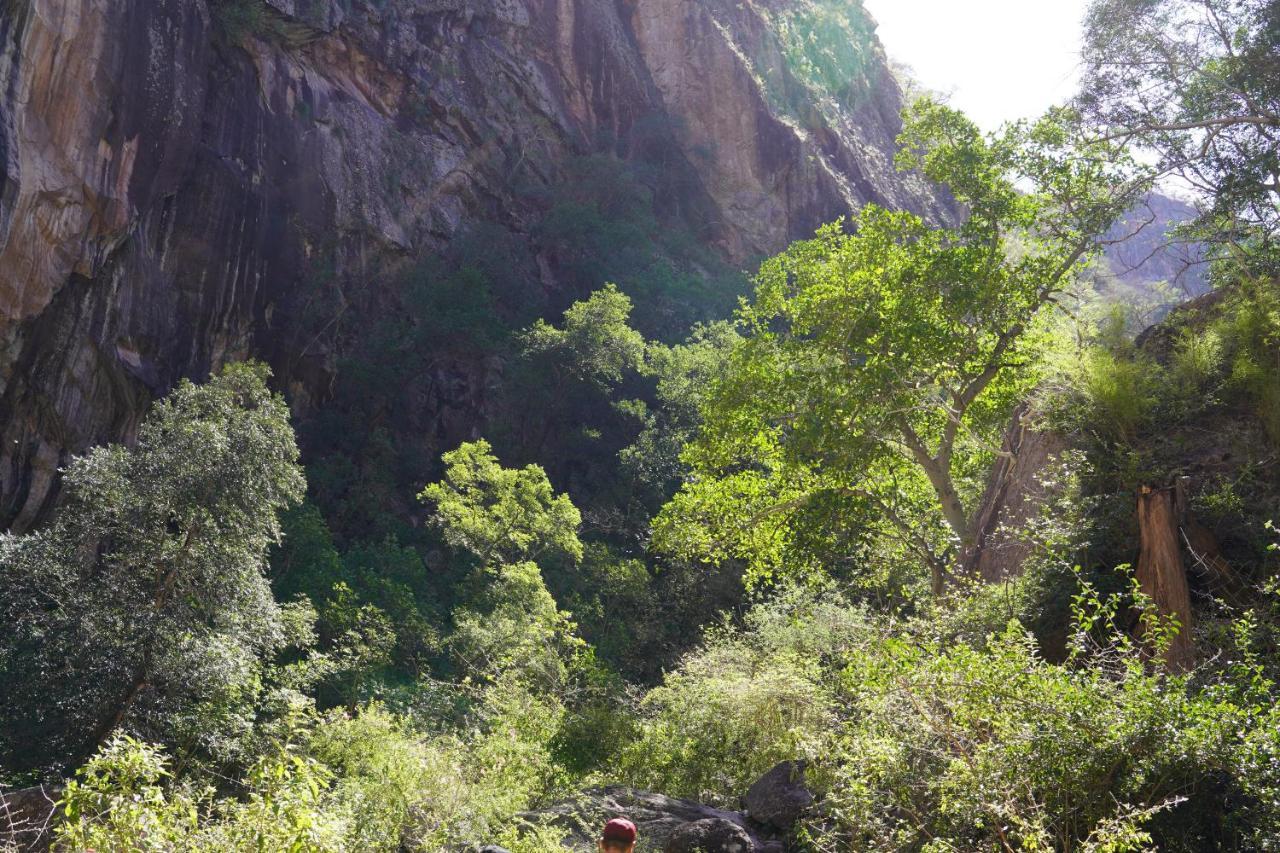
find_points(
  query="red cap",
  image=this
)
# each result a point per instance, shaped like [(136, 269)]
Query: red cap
[(620, 829)]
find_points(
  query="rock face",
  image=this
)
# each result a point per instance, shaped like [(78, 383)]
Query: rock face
[(1019, 486), (177, 175), (1145, 252)]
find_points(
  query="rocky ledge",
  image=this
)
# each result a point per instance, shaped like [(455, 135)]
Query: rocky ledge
[(770, 810)]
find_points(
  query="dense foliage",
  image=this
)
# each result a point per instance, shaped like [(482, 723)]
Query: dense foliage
[(674, 565), (880, 364), (146, 603)]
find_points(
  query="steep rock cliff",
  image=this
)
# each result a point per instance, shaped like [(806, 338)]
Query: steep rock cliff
[(179, 174)]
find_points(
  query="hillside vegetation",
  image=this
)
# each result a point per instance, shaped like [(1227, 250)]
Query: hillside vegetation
[(682, 557)]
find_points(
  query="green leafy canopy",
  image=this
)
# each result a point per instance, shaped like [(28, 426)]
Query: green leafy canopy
[(147, 595), (880, 360), (501, 515)]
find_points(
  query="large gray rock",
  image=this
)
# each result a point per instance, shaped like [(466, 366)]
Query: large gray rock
[(25, 817), (658, 819), (710, 835), (780, 797)]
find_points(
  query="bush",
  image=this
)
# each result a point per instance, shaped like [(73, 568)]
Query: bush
[(1196, 362), (119, 802), (727, 716), (240, 18), (361, 781), (1251, 326), (924, 742), (1119, 393), (999, 748), (744, 702)]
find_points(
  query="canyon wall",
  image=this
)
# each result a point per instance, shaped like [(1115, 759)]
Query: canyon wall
[(178, 178)]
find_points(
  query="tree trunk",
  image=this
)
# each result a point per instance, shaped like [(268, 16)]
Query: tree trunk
[(164, 588), (937, 578), (938, 470), (1161, 573), (987, 515)]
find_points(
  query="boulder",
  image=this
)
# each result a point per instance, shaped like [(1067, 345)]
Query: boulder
[(25, 816), (779, 798), (657, 817), (710, 835)]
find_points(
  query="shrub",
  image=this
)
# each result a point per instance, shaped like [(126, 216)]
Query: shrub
[(1251, 326), (1119, 393), (926, 742), (116, 802), (723, 719), (240, 18), (359, 781), (1197, 360), (972, 749), (119, 802), (744, 702)]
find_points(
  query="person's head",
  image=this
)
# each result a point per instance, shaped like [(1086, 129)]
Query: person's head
[(619, 836)]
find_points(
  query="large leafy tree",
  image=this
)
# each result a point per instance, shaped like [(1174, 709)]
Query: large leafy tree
[(501, 515), (566, 387), (595, 345), (1197, 82), (880, 361), (502, 521), (144, 606)]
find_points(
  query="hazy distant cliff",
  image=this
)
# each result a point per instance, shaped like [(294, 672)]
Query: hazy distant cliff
[(181, 177)]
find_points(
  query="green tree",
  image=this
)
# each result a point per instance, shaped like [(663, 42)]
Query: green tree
[(1197, 82), (571, 398), (567, 380), (683, 372), (595, 345), (145, 604), (504, 519), (306, 562), (361, 637), (878, 365), (501, 515), (515, 628)]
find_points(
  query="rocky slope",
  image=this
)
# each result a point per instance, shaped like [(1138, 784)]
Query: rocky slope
[(181, 177), (766, 823)]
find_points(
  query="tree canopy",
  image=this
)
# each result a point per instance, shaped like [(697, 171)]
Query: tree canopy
[(1197, 82), (501, 515), (145, 604), (879, 360), (506, 519)]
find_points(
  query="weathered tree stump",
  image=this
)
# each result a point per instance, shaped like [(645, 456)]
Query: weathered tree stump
[(1161, 573)]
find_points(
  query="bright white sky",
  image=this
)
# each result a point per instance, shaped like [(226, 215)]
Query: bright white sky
[(998, 59)]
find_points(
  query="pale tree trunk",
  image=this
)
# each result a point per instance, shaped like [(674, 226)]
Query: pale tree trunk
[(1161, 573), (990, 507), (937, 467)]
